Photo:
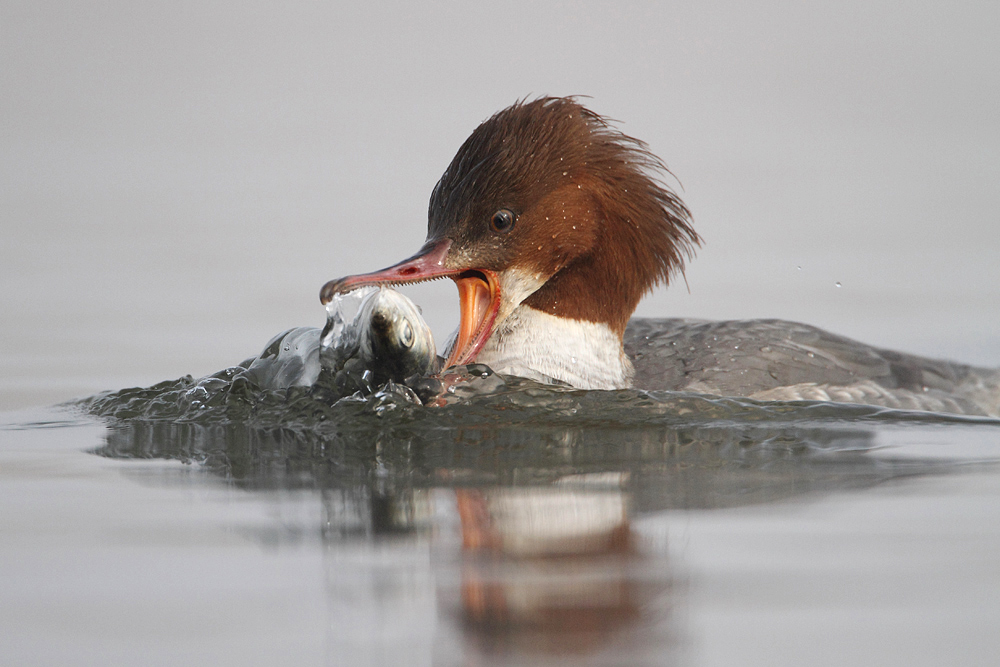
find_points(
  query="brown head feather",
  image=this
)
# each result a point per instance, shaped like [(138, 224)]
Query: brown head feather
[(593, 215)]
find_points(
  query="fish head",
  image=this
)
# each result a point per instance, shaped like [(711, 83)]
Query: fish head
[(394, 340)]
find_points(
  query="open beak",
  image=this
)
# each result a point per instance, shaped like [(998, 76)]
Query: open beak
[(478, 294)]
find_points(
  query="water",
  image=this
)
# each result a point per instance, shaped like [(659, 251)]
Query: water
[(530, 525)]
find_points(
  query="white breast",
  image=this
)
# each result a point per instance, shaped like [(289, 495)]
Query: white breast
[(533, 344)]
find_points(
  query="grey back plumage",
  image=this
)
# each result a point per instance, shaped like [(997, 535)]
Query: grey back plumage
[(781, 360)]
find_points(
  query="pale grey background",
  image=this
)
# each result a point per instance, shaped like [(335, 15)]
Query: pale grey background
[(178, 179)]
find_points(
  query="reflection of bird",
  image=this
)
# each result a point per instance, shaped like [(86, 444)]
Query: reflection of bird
[(545, 521), (553, 224), (552, 567)]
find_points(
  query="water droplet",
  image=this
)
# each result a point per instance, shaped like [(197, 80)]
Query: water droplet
[(838, 284), (573, 359), (811, 355)]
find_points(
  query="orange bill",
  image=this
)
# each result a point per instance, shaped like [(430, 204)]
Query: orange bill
[(479, 301)]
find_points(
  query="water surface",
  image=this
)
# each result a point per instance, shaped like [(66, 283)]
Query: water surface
[(533, 525)]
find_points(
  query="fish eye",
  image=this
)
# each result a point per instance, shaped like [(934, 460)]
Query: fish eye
[(503, 220), (406, 335)]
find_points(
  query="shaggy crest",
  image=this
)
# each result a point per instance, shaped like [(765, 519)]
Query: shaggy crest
[(611, 223)]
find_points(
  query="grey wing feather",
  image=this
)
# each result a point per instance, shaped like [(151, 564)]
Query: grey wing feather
[(781, 360)]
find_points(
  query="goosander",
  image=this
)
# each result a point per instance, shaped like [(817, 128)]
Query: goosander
[(554, 224)]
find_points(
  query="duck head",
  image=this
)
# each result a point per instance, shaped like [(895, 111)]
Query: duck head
[(547, 206)]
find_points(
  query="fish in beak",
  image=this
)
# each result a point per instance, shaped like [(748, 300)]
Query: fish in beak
[(478, 294)]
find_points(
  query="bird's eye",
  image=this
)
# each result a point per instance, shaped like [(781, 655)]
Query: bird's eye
[(503, 220)]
